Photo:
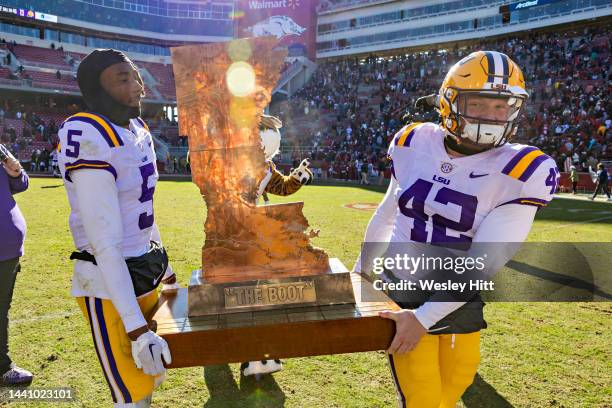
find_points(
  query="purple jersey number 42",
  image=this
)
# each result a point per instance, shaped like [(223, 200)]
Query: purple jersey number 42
[(552, 180), (417, 193)]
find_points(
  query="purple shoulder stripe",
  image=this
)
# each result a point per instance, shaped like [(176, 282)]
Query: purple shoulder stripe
[(409, 138), (517, 157), (89, 164), (532, 167), (396, 138)]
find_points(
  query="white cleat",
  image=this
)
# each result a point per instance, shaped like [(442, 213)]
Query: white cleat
[(143, 403), (257, 368)]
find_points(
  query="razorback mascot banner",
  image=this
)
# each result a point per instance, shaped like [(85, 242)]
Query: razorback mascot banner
[(293, 22)]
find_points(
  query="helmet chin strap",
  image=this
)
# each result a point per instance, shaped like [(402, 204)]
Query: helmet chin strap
[(483, 133), (471, 133), (451, 143)]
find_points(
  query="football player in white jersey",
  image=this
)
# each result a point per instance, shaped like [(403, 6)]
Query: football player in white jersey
[(459, 181), (107, 160)]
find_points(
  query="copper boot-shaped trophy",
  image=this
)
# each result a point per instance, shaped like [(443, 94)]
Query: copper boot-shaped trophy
[(264, 292)]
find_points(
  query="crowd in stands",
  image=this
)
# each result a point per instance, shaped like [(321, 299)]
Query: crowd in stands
[(360, 104), (353, 107), (29, 130), (29, 126)]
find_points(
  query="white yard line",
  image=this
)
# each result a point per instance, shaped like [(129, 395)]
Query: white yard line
[(583, 197), (62, 315), (577, 222)]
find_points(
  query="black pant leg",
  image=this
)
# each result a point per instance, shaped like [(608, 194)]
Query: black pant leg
[(598, 188), (8, 275)]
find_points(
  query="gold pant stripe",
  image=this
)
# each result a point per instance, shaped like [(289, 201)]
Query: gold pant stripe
[(102, 352), (126, 382)]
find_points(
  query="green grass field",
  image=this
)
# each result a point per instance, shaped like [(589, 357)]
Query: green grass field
[(533, 354)]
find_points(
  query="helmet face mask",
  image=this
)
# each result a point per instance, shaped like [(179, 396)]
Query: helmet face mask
[(486, 119), (481, 100)]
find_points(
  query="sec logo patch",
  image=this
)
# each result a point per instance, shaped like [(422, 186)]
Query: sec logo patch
[(446, 167)]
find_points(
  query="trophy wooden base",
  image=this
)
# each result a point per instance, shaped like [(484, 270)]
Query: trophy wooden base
[(278, 333), (333, 287)]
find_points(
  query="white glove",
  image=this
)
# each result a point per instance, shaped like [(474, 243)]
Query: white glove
[(148, 350)]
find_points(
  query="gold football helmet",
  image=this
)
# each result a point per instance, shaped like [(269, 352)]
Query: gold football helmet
[(482, 97)]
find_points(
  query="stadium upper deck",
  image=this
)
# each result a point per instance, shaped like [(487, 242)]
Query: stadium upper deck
[(350, 27), (188, 20), (46, 41)]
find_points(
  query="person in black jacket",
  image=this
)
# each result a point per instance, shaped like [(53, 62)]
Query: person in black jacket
[(603, 178)]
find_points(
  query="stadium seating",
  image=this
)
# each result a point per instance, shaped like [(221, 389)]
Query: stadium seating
[(37, 56), (566, 77), (164, 76), (4, 75), (16, 124), (39, 61), (49, 80)]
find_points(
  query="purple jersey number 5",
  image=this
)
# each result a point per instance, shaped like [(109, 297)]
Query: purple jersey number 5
[(418, 193), (145, 220), (73, 143)]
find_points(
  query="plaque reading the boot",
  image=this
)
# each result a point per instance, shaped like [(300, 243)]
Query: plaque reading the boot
[(271, 294)]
